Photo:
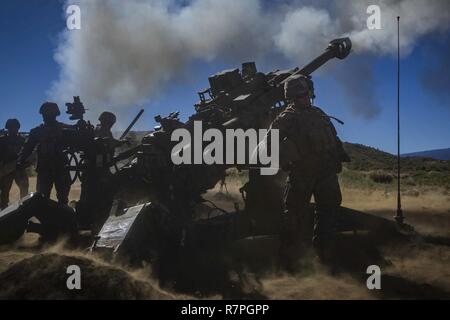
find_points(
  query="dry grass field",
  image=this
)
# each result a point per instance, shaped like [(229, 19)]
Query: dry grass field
[(415, 268)]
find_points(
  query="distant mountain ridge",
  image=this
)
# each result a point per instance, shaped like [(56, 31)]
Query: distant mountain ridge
[(370, 163), (438, 154), (365, 158)]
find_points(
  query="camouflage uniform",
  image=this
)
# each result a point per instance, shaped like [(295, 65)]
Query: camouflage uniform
[(105, 142), (52, 162), (97, 187), (10, 145), (312, 170)]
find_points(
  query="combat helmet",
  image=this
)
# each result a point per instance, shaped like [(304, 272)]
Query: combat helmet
[(50, 109), (297, 86), (12, 124), (108, 118)]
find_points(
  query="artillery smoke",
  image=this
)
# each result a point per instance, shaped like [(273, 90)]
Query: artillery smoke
[(126, 52)]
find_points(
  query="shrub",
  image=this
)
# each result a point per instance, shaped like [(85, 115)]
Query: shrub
[(381, 177)]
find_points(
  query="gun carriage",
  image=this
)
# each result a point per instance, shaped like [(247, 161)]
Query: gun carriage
[(158, 213)]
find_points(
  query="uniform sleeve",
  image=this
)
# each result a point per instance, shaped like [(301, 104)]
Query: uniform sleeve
[(28, 147)]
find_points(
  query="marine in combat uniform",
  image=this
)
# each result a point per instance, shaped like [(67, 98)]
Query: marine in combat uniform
[(106, 122), (97, 187), (104, 135), (105, 141), (10, 145), (52, 162), (311, 152)]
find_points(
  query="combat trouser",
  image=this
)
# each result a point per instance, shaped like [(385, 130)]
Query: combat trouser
[(20, 177), (97, 192), (327, 194), (60, 179)]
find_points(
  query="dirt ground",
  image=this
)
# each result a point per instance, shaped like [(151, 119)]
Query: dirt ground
[(418, 270)]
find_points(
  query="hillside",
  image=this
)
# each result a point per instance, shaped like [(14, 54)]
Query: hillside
[(380, 167), (438, 154)]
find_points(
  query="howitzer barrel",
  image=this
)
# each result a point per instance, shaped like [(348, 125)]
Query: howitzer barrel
[(337, 48)]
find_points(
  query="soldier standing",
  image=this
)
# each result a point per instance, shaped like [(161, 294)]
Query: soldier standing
[(10, 145), (315, 159), (105, 143), (105, 138), (97, 180), (51, 160)]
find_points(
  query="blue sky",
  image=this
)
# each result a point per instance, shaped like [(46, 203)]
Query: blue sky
[(29, 32)]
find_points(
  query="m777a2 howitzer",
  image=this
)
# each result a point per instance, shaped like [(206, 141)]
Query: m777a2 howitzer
[(159, 214)]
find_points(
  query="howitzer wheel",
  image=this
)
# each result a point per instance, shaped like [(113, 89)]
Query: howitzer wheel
[(74, 166)]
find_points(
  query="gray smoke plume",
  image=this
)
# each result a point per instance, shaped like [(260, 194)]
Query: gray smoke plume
[(126, 51), (315, 26)]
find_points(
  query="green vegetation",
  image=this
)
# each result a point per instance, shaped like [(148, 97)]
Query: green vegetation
[(378, 169), (372, 169)]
